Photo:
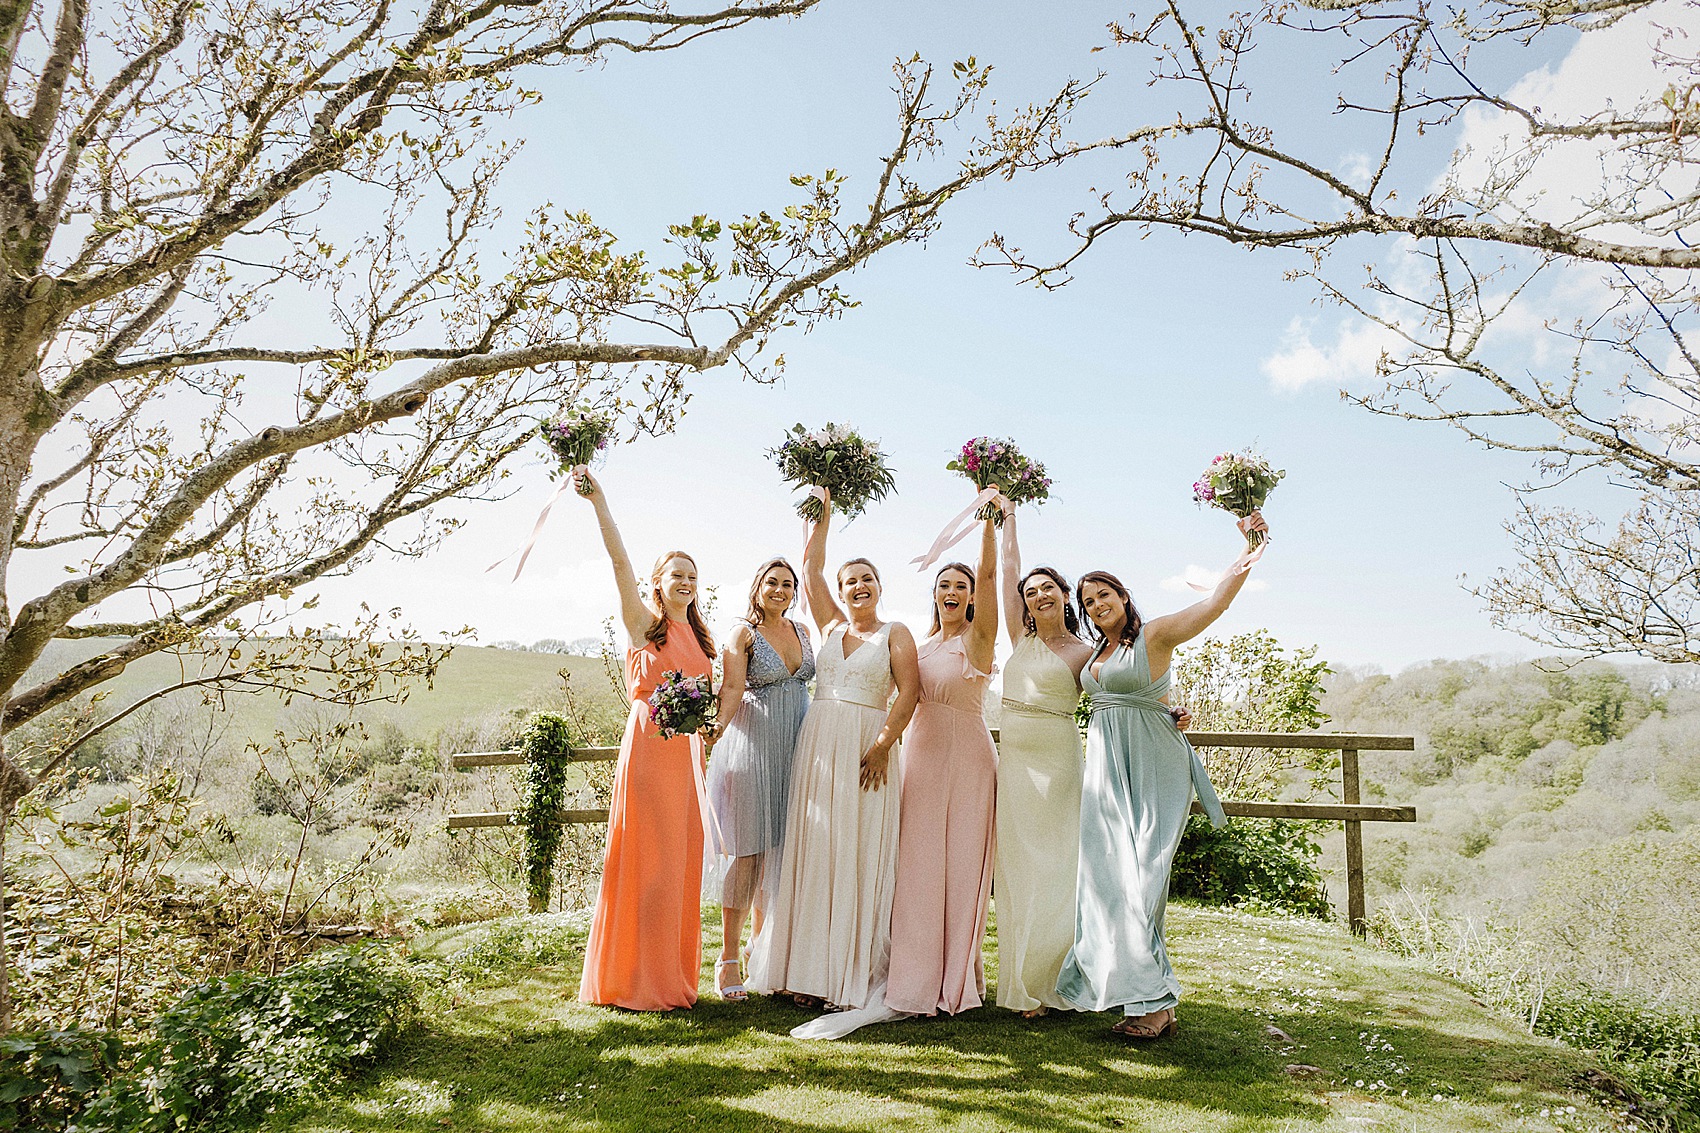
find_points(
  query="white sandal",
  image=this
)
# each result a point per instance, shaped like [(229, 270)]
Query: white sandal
[(735, 993)]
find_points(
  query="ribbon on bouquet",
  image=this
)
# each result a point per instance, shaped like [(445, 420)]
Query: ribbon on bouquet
[(819, 493), (954, 531), (1247, 558), (524, 552)]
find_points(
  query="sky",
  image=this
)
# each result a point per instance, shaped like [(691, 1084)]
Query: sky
[(1161, 353)]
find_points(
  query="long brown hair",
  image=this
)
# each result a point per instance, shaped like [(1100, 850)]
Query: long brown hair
[(965, 569), (757, 616), (1071, 620), (656, 634), (1130, 630)]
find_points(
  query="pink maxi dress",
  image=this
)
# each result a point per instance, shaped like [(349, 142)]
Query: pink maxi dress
[(945, 840)]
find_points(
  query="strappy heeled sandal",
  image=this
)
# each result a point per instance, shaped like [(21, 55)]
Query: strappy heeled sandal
[(1131, 1031), (734, 993)]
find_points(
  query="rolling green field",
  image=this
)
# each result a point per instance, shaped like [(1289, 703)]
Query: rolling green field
[(1288, 1025)]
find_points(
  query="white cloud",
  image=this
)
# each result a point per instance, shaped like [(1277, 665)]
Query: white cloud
[(1348, 360), (1195, 578)]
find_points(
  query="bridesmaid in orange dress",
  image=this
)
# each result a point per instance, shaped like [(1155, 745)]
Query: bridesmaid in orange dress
[(950, 780), (645, 947)]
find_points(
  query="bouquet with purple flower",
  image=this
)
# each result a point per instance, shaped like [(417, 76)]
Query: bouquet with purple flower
[(994, 462), (1238, 483), (838, 459), (681, 705), (577, 437)]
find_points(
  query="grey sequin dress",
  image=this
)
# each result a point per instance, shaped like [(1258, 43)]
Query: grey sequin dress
[(749, 773)]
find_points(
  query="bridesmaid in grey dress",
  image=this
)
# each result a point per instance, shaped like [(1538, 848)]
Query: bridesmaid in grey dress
[(764, 694)]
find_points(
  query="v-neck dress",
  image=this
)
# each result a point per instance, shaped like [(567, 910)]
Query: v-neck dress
[(1038, 826), (828, 926), (749, 771), (1141, 775), (645, 946)]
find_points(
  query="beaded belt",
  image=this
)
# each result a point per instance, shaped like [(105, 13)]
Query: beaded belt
[(1022, 708)]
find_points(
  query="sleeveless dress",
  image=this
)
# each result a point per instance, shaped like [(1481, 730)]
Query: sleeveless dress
[(1038, 826), (944, 850), (645, 946), (828, 928), (749, 772), (1141, 773)]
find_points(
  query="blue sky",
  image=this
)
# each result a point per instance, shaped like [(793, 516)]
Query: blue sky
[(1124, 383)]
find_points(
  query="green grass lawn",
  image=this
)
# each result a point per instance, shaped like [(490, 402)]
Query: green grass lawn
[(1395, 1047)]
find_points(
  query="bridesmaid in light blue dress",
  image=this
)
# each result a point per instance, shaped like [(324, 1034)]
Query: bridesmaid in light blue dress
[(1141, 776), (766, 667)]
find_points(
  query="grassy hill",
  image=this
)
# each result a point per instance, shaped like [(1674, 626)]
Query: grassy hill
[(1288, 1025)]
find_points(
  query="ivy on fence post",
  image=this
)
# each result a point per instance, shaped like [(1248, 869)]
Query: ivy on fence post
[(548, 751)]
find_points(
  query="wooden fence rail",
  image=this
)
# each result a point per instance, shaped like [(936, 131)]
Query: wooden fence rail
[(1350, 810)]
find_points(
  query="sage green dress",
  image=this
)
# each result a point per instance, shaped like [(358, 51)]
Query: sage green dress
[(1141, 775)]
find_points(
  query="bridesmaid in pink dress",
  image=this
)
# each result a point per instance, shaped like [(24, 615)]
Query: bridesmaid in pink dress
[(645, 946), (950, 779)]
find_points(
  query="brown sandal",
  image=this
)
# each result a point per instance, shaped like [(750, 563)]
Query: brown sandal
[(1131, 1031)]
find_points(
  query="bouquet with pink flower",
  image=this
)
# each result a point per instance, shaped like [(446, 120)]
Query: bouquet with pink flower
[(577, 437), (1238, 483), (681, 705), (994, 462), (836, 458)]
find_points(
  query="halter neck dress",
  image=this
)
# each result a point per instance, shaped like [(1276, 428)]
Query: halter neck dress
[(1038, 826), (749, 772), (1141, 775), (645, 947), (828, 926)]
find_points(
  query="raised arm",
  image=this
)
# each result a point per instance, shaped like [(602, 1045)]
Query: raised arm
[(1013, 603), (823, 603), (633, 612), (982, 643), (906, 674), (1165, 633)]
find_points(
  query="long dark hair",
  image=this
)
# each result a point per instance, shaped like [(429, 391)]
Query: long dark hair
[(656, 634), (1130, 631), (757, 616), (965, 569), (1071, 620)]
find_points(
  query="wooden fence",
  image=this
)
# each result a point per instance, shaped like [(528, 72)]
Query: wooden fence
[(1350, 810)]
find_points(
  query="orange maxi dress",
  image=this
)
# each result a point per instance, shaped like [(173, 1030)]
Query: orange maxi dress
[(645, 947)]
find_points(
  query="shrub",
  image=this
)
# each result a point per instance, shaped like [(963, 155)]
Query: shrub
[(1272, 862), (47, 1076), (244, 1044)]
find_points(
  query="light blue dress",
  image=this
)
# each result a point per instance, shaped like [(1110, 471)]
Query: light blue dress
[(1141, 774), (749, 773)]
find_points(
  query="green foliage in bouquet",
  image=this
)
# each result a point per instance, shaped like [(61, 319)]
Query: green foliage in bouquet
[(547, 746), (577, 436), (995, 462), (1238, 483), (839, 459)]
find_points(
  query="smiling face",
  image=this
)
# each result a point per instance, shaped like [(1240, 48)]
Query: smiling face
[(859, 586), (676, 582), (953, 592), (778, 590), (1045, 603), (1103, 607)]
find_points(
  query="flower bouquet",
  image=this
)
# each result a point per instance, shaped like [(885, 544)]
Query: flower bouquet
[(992, 462), (836, 458), (1238, 483), (681, 705), (576, 437)]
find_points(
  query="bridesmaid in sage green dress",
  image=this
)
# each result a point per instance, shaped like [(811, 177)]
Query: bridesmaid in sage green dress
[(1141, 775)]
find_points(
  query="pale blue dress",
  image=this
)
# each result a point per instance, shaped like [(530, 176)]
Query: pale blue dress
[(1141, 775), (749, 772)]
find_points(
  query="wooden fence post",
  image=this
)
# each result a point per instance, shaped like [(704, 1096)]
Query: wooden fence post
[(1354, 842)]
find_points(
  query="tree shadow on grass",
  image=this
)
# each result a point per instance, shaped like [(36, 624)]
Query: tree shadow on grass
[(735, 1067)]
